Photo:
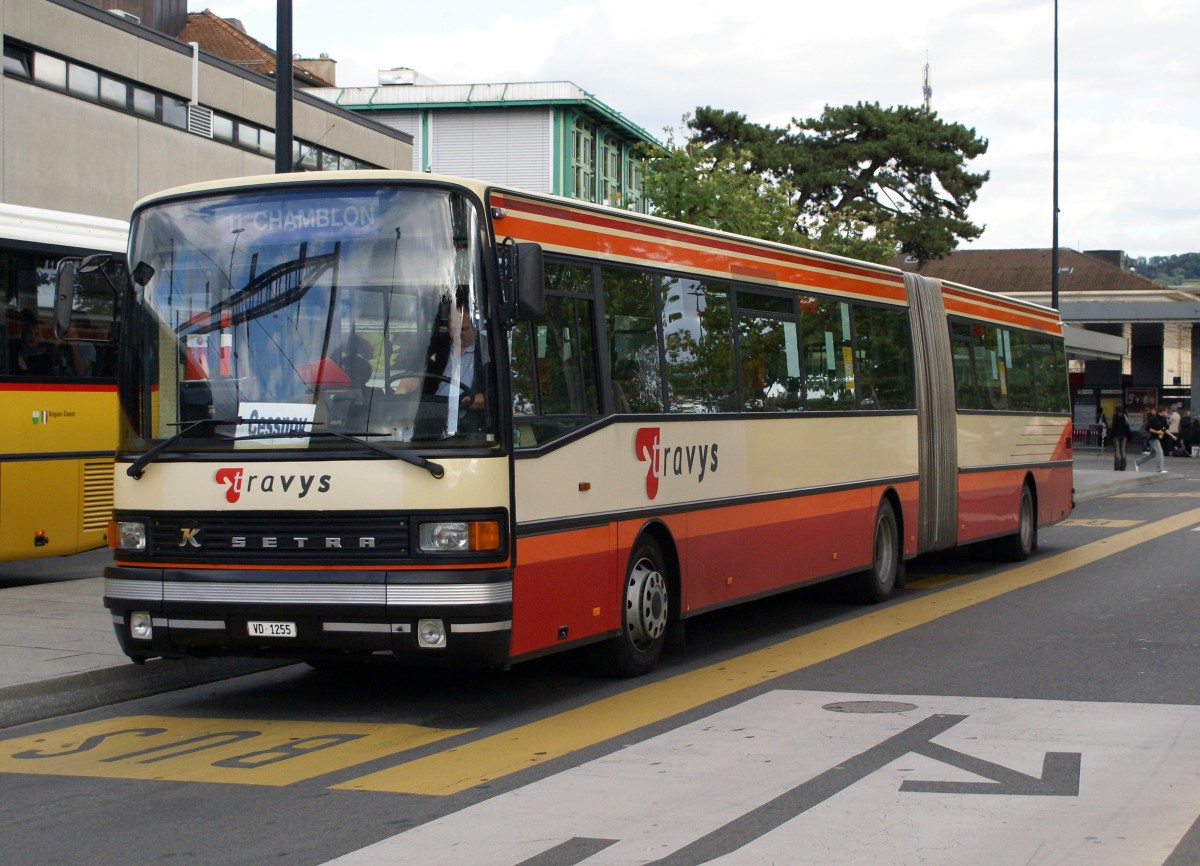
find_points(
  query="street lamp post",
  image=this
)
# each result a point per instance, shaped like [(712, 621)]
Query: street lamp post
[(283, 86), (1054, 250)]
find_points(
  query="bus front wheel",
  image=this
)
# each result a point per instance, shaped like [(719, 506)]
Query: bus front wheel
[(645, 600)]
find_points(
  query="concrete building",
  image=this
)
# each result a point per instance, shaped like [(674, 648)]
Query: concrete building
[(550, 137), (98, 110), (1154, 330)]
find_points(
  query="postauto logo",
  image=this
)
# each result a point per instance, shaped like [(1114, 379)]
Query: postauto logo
[(238, 483), (685, 460)]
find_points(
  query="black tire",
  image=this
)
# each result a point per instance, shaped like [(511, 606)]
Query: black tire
[(645, 613), (1019, 546), (877, 583)]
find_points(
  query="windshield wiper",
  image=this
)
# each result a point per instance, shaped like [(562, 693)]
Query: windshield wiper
[(138, 468)]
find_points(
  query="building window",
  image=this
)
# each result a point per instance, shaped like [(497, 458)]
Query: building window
[(83, 82), (18, 61), (50, 71), (91, 85), (145, 102), (633, 185), (583, 161), (610, 173), (114, 92)]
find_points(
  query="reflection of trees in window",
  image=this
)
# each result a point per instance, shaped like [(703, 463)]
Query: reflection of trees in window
[(964, 371), (1050, 374), (987, 349), (632, 340), (563, 368), (520, 353), (1020, 371), (770, 363), (768, 353), (697, 327), (826, 349), (997, 368), (884, 359)]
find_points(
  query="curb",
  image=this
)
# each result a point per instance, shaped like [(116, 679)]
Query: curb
[(1120, 481), (89, 690)]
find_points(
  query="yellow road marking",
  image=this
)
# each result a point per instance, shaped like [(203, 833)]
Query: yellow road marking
[(1116, 524), (1192, 495), (241, 751), (929, 581), (499, 755)]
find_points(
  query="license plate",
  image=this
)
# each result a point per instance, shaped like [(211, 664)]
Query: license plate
[(258, 628)]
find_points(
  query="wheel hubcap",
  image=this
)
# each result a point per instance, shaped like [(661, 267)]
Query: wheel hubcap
[(645, 604), (885, 552)]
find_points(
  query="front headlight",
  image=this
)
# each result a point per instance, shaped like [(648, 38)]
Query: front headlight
[(129, 535), (459, 536)]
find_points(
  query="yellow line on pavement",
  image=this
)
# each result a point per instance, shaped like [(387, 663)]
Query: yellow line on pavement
[(489, 758)]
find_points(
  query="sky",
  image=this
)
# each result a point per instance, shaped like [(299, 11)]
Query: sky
[(1129, 83)]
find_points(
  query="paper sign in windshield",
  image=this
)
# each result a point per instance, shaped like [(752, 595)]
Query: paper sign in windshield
[(274, 424)]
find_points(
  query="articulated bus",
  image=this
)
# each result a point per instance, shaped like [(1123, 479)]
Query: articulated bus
[(58, 396), (419, 417)]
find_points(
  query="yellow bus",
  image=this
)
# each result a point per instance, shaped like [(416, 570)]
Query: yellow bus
[(426, 418), (58, 404)]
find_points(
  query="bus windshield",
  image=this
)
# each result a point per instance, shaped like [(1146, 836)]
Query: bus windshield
[(309, 317)]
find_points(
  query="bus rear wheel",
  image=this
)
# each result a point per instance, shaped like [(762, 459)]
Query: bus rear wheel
[(1021, 544), (645, 612), (877, 583)]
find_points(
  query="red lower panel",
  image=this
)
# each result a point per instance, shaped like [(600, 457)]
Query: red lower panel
[(567, 585), (564, 580), (987, 501)]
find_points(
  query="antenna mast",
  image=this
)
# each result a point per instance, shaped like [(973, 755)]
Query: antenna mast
[(926, 89)]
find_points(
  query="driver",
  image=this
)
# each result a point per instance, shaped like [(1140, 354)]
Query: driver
[(452, 366)]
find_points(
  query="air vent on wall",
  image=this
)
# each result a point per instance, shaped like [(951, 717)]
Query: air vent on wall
[(200, 120)]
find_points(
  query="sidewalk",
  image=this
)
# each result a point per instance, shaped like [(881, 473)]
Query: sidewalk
[(58, 653)]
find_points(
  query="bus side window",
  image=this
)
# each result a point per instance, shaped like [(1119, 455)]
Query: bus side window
[(964, 371), (884, 358), (697, 325), (553, 360), (633, 355), (827, 353)]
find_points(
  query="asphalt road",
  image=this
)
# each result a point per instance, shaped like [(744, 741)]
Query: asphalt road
[(1046, 712)]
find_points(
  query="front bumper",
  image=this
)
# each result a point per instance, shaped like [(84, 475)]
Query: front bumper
[(336, 614)]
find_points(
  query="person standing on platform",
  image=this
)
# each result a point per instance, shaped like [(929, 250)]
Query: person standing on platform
[(1118, 434)]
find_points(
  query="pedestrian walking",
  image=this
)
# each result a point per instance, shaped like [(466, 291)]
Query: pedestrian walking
[(1155, 428)]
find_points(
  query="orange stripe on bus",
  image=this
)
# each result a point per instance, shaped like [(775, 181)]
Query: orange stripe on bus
[(577, 238), (682, 235), (379, 566)]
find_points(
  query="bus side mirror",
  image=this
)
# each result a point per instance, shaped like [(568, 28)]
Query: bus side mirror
[(64, 296), (522, 277), (531, 282), (69, 270)]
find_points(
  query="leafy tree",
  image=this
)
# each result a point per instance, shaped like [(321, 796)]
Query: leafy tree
[(900, 171), (1170, 270), (718, 189), (721, 188)]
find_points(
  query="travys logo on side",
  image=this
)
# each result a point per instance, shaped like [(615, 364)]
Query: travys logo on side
[(238, 482), (664, 461)]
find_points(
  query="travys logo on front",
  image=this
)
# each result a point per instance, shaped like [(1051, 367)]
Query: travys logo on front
[(687, 460), (238, 483)]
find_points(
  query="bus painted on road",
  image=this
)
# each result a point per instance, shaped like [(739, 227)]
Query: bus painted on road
[(427, 418), (58, 404)]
